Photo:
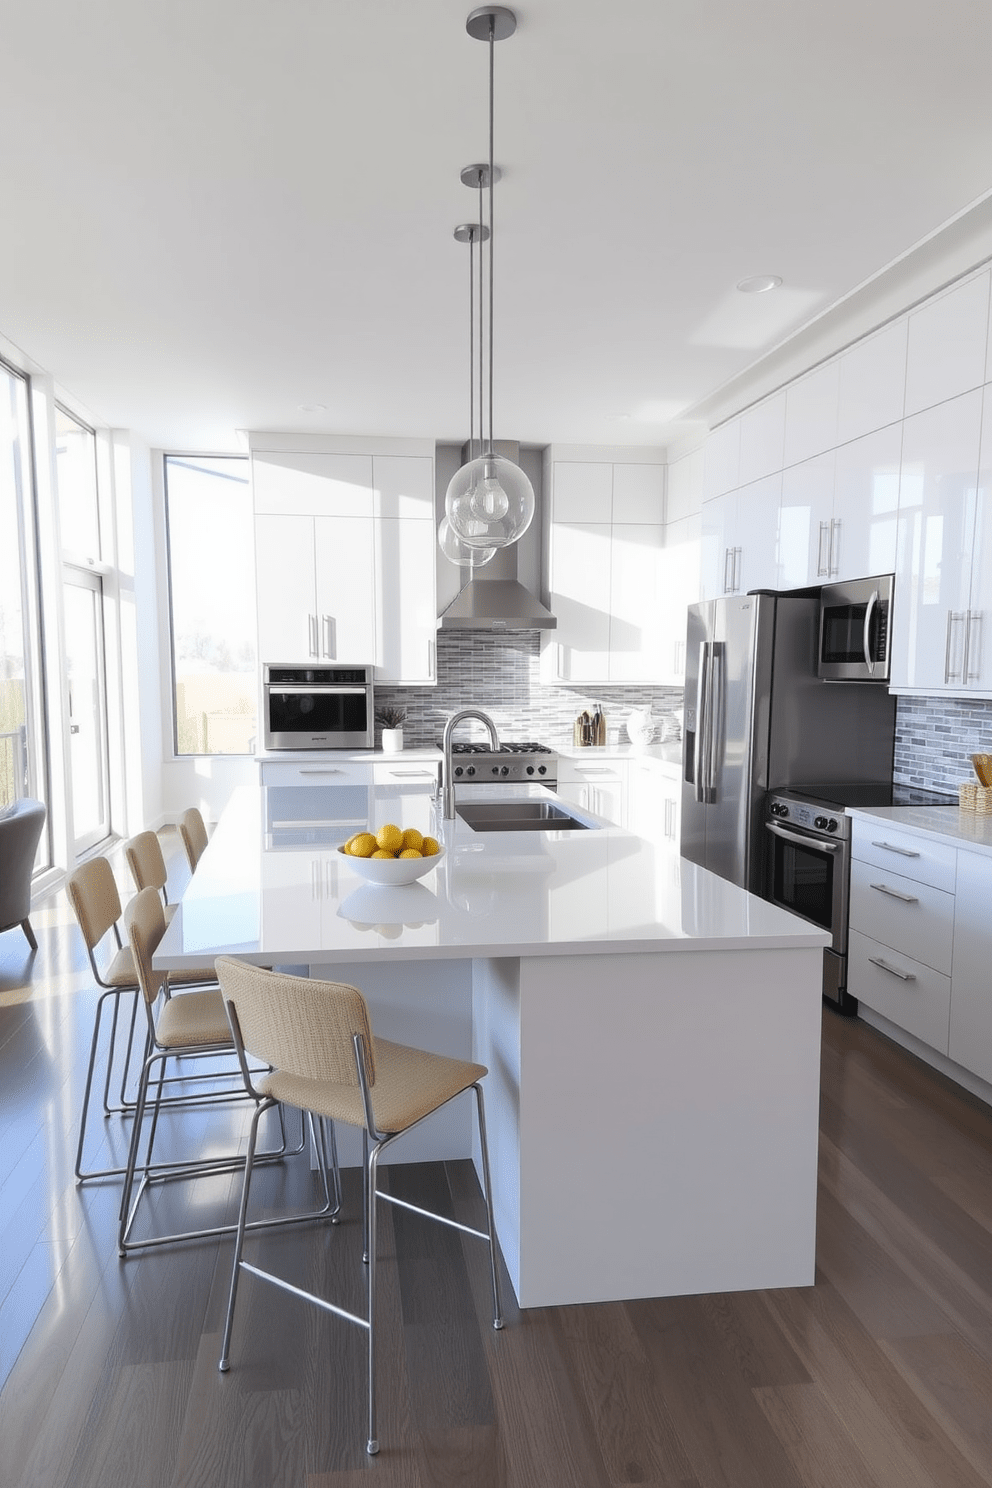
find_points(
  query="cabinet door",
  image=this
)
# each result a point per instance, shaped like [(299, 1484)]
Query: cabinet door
[(811, 414), (598, 786), (678, 588), (970, 1041), (403, 486), (755, 563), (762, 440), (406, 621), (284, 572), (639, 493), (312, 484), (580, 597), (583, 492), (947, 344), (805, 514), (866, 505), (978, 660), (937, 486), (718, 544), (345, 589), (872, 383), (635, 622)]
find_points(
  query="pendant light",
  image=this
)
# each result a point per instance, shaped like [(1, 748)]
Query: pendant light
[(451, 545), (490, 501)]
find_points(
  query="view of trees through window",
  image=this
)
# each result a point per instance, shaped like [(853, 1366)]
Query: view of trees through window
[(212, 588)]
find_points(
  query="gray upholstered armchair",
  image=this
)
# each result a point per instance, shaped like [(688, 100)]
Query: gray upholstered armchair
[(20, 832)]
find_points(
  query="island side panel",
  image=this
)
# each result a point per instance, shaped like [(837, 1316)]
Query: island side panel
[(667, 1109), (496, 1034)]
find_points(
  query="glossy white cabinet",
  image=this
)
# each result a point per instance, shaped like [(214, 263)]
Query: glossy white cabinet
[(739, 539), (811, 413), (862, 539), (762, 446), (679, 588), (970, 1034), (871, 383), (311, 484), (595, 785), (605, 542), (805, 517), (406, 601), (315, 595), (948, 339), (654, 802), (938, 494), (722, 460)]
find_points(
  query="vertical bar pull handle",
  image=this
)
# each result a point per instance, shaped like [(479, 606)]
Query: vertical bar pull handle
[(330, 637), (973, 653), (823, 564), (728, 572), (312, 625), (833, 560), (950, 673)]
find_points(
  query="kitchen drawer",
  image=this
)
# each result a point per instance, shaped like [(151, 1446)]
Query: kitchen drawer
[(909, 994), (913, 918), (904, 852), (409, 773), (316, 772)]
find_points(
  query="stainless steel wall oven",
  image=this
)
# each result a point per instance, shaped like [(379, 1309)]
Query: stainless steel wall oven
[(318, 707)]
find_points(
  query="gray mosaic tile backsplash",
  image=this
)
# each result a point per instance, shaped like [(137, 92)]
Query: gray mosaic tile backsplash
[(501, 674), (935, 736)]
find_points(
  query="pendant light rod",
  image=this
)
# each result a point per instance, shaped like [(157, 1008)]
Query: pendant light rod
[(472, 233)]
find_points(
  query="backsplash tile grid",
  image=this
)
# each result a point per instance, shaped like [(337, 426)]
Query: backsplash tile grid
[(501, 675), (934, 738)]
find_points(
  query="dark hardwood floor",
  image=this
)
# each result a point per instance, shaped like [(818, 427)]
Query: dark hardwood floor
[(879, 1376)]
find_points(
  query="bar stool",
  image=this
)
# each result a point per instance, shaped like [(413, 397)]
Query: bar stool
[(317, 1037), (147, 865), (194, 836)]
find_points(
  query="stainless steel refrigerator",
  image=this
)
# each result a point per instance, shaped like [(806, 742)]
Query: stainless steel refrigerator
[(757, 716)]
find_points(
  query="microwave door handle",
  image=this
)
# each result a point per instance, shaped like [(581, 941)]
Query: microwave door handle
[(701, 720), (866, 638)]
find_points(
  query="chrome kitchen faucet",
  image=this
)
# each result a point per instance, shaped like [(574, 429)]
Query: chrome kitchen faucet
[(448, 807)]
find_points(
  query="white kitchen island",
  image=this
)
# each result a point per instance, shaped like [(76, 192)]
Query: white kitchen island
[(652, 1032)]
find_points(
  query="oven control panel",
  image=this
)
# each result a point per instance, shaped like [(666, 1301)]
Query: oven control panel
[(811, 816)]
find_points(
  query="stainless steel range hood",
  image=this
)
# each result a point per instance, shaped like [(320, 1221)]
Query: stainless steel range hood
[(493, 598)]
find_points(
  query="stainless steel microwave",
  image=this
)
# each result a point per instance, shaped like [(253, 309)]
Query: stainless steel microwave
[(855, 627), (318, 707)]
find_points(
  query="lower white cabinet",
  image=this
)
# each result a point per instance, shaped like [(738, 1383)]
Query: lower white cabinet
[(654, 801), (328, 771), (599, 786), (908, 993), (970, 1032)]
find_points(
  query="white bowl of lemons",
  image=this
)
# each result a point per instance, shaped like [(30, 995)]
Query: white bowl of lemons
[(392, 855)]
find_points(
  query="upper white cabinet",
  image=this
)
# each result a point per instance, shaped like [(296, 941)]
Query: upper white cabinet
[(862, 538), (679, 588), (948, 341), (345, 560), (933, 632), (871, 383), (739, 539), (762, 445), (811, 413), (722, 460), (807, 510), (605, 540)]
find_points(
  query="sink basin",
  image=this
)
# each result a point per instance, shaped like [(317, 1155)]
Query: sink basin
[(518, 816)]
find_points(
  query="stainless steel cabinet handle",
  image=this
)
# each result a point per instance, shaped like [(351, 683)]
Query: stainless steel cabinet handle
[(823, 565), (904, 852), (728, 571), (895, 894), (430, 658), (330, 637), (974, 617), (321, 772), (312, 623), (833, 560), (952, 620), (738, 565), (904, 976)]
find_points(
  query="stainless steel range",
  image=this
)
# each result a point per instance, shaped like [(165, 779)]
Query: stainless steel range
[(808, 864), (480, 764)]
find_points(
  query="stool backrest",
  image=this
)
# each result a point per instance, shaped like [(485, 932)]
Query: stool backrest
[(194, 835), (301, 1026), (145, 922), (92, 891), (145, 860)]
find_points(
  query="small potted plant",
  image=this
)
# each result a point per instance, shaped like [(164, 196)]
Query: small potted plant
[(391, 721)]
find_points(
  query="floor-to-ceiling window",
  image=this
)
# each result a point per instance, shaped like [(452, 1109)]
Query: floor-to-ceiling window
[(83, 606), (212, 603), (23, 765)]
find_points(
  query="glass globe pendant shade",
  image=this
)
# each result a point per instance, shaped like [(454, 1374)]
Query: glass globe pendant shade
[(458, 552), (489, 503)]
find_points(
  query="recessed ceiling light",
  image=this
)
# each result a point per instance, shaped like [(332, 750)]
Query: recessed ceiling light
[(759, 283), (312, 407)]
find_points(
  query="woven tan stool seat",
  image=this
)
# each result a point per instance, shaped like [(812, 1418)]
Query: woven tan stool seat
[(92, 893), (317, 1037), (190, 1026)]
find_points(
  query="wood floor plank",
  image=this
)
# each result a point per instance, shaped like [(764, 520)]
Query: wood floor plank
[(956, 1385), (814, 1437)]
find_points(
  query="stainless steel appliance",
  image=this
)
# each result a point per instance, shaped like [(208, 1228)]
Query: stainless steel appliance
[(756, 714), (854, 630), (808, 869), (317, 707), (480, 764)]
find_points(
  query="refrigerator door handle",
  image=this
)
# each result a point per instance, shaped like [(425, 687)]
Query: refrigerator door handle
[(714, 702), (702, 718)]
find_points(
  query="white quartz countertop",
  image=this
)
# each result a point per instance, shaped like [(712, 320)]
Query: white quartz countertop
[(968, 829), (667, 756), (272, 887)]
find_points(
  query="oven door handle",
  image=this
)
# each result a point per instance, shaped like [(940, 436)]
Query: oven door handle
[(801, 839), (280, 688)]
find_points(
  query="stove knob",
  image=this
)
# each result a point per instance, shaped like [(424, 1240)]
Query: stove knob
[(495, 769), (831, 825), (458, 771), (530, 769), (504, 769), (470, 770), (820, 823), (542, 769)]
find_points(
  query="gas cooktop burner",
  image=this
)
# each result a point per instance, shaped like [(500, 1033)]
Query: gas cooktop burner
[(503, 749)]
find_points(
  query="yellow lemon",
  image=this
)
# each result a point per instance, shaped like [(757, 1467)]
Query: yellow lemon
[(410, 852), (413, 838), (383, 853), (362, 845), (430, 847), (390, 839), (348, 845)]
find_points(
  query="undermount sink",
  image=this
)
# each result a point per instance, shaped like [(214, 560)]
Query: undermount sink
[(518, 816)]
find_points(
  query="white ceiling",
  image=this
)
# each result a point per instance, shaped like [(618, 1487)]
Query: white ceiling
[(215, 212)]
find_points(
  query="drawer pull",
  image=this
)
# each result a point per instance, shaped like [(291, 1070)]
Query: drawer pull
[(904, 852), (904, 976), (895, 894), (320, 772)]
